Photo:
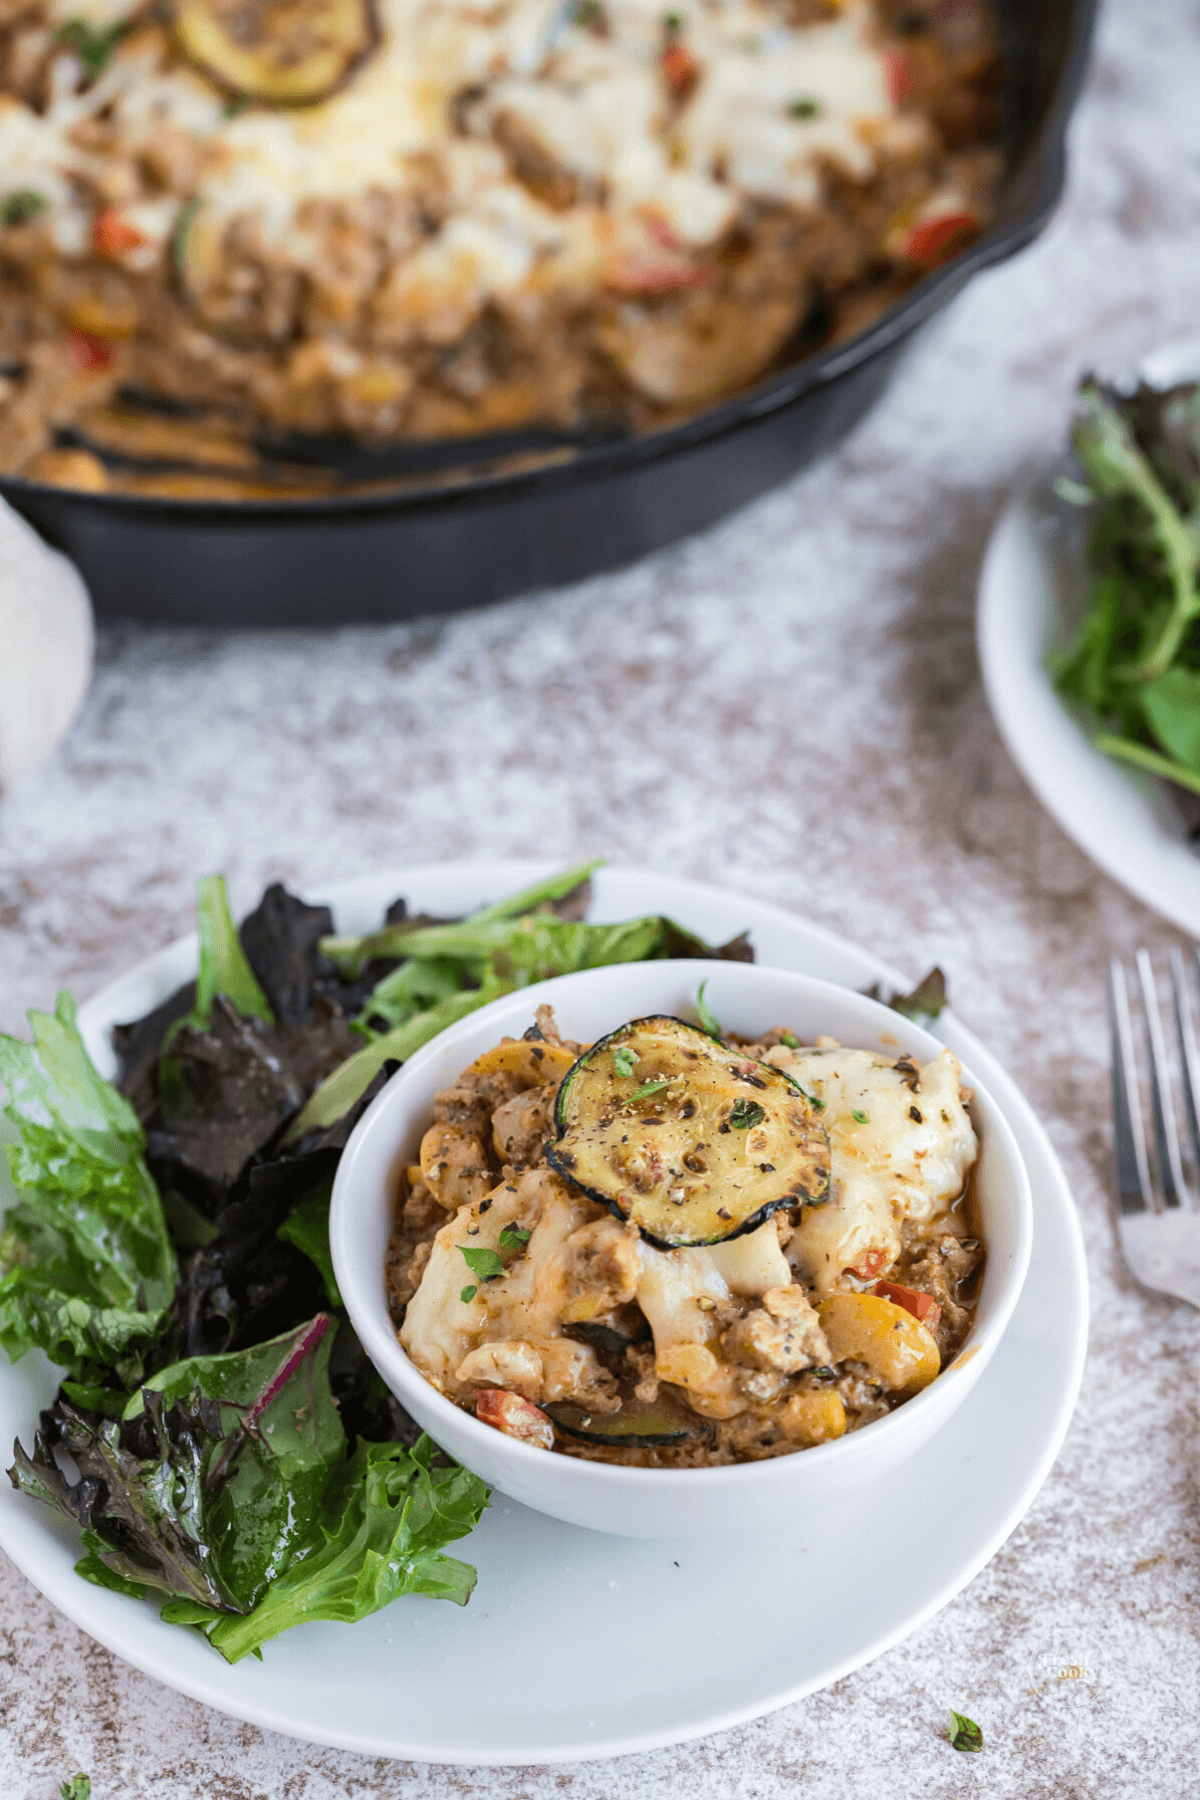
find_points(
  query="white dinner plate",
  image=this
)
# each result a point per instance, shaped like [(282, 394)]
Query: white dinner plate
[(577, 1644), (1031, 594)]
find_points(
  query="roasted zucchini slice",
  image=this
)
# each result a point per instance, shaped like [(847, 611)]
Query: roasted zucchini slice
[(638, 1422), (285, 52), (614, 1332), (691, 1140)]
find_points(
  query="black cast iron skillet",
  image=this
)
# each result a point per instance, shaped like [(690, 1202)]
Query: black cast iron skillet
[(481, 535)]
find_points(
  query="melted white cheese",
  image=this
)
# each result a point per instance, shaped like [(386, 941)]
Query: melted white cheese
[(598, 107), (897, 1153)]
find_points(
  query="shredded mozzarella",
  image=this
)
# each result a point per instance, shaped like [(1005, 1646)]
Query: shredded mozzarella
[(596, 105)]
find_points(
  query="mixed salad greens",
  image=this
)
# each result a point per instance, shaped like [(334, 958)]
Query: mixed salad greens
[(1135, 660), (219, 1435)]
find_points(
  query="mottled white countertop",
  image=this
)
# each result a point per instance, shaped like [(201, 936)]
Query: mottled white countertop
[(790, 706)]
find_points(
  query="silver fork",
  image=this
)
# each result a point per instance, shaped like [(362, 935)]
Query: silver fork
[(1159, 1218)]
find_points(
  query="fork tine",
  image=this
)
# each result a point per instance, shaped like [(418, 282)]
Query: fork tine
[(1170, 1169), (1134, 1193), (1185, 1027)]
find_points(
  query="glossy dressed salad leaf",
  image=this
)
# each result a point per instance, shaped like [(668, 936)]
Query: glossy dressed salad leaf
[(1134, 664), (380, 1535), (227, 1486), (224, 1093), (210, 1480), (87, 1270)]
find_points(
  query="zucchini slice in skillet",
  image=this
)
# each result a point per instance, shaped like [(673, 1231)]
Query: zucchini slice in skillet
[(639, 1422), (284, 52), (691, 1140)]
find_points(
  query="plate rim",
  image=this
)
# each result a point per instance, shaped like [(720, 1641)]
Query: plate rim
[(70, 1594)]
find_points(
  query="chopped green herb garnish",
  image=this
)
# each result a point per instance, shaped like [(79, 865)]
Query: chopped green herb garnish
[(589, 14), (791, 1040), (483, 1261), (649, 1087), (93, 44), (708, 1018), (78, 1788), (467, 1295), (860, 1118), (966, 1734), (623, 1061), (18, 207), (673, 21), (804, 107), (514, 1237), (746, 1113)]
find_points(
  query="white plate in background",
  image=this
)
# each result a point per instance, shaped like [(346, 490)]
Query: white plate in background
[(1031, 594), (576, 1644)]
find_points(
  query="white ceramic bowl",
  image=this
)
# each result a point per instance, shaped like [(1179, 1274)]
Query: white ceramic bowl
[(661, 1503)]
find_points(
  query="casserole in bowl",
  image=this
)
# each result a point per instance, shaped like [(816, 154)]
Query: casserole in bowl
[(619, 1495)]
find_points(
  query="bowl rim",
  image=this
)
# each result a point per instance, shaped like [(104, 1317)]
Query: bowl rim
[(379, 1338)]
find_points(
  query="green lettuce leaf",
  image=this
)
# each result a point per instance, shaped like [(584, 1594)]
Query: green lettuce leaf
[(1142, 541), (87, 1271), (500, 955), (1172, 708), (412, 988), (351, 1079), (352, 954), (380, 1536), (307, 1226), (223, 969), (212, 1479), (281, 1441)]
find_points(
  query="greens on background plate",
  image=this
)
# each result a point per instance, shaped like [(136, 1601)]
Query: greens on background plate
[(1134, 663)]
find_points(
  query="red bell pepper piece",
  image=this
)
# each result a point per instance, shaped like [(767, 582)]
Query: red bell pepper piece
[(898, 75), (87, 353), (938, 239), (922, 1306), (515, 1417), (112, 235), (871, 1264), (681, 69)]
